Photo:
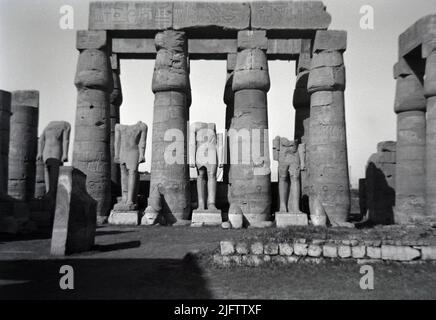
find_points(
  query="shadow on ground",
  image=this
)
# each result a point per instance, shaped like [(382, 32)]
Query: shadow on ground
[(104, 279)]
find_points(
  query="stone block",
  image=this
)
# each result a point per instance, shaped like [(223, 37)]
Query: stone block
[(286, 249), (373, 252), (267, 258), (402, 69), (206, 218), (279, 260), (330, 40), (326, 79), (252, 260), (192, 15), (256, 248), (125, 218), (242, 248), (231, 61), (344, 251), (428, 253), (236, 220), (75, 215), (300, 249), (271, 249), (314, 250), (227, 248), (90, 39), (284, 220), (358, 252), (289, 15), (330, 251), (130, 15), (252, 39), (399, 253)]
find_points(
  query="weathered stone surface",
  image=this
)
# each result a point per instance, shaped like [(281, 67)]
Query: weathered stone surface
[(252, 260), (91, 39), (131, 15), (227, 247), (380, 183), (415, 34), (23, 144), (206, 218), (291, 15), (232, 15), (314, 250), (236, 220), (330, 251), (75, 216), (5, 115), (399, 253), (126, 218), (271, 248), (242, 248), (252, 39), (300, 249), (286, 249), (279, 260), (358, 252), (428, 253), (332, 40), (256, 248), (344, 251), (284, 220), (91, 152), (373, 252)]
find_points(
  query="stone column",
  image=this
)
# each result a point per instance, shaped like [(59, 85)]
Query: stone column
[(23, 144), (91, 153), (301, 102), (5, 115), (328, 161), (169, 166), (116, 99), (229, 98), (250, 174), (429, 52), (410, 160)]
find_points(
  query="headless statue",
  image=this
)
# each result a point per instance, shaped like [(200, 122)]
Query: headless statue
[(130, 143), (205, 154), (53, 152), (291, 158)]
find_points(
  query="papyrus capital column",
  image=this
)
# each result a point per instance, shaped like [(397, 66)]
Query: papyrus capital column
[(328, 160), (410, 106), (250, 174), (94, 84), (169, 167)]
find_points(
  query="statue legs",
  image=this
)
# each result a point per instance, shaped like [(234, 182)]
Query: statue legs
[(283, 188), (294, 197), (201, 188), (211, 188), (51, 175), (129, 185)]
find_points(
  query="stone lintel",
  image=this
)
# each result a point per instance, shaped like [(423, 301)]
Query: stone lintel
[(91, 39), (417, 34), (330, 40)]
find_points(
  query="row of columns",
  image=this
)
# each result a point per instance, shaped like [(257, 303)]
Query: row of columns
[(415, 105), (320, 123)]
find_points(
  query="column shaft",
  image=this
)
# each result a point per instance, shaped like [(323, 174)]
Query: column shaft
[(5, 115)]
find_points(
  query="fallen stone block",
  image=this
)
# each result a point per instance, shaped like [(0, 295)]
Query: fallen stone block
[(300, 249), (373, 252), (399, 253), (428, 253), (227, 248), (256, 248), (330, 251), (271, 248), (344, 251), (314, 250), (358, 252), (286, 249)]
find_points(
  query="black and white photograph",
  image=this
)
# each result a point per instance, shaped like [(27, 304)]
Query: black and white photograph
[(217, 156)]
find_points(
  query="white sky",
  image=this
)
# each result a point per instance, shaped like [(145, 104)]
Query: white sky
[(35, 53)]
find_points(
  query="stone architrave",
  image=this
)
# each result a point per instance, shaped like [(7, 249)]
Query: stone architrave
[(250, 174), (169, 166), (94, 83), (206, 155), (328, 159), (291, 159), (410, 107), (130, 144), (23, 144), (380, 183), (116, 99), (75, 216)]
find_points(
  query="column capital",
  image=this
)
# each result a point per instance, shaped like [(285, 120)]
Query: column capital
[(402, 69), (86, 39), (409, 94), (330, 40)]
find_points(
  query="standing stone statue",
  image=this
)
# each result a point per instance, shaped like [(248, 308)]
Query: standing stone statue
[(53, 152), (291, 158), (206, 154), (130, 143)]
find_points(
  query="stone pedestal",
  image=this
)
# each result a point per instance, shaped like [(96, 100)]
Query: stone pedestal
[(206, 218), (75, 217), (286, 219), (328, 159), (23, 144), (410, 106), (125, 218), (91, 153), (169, 167), (250, 174)]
